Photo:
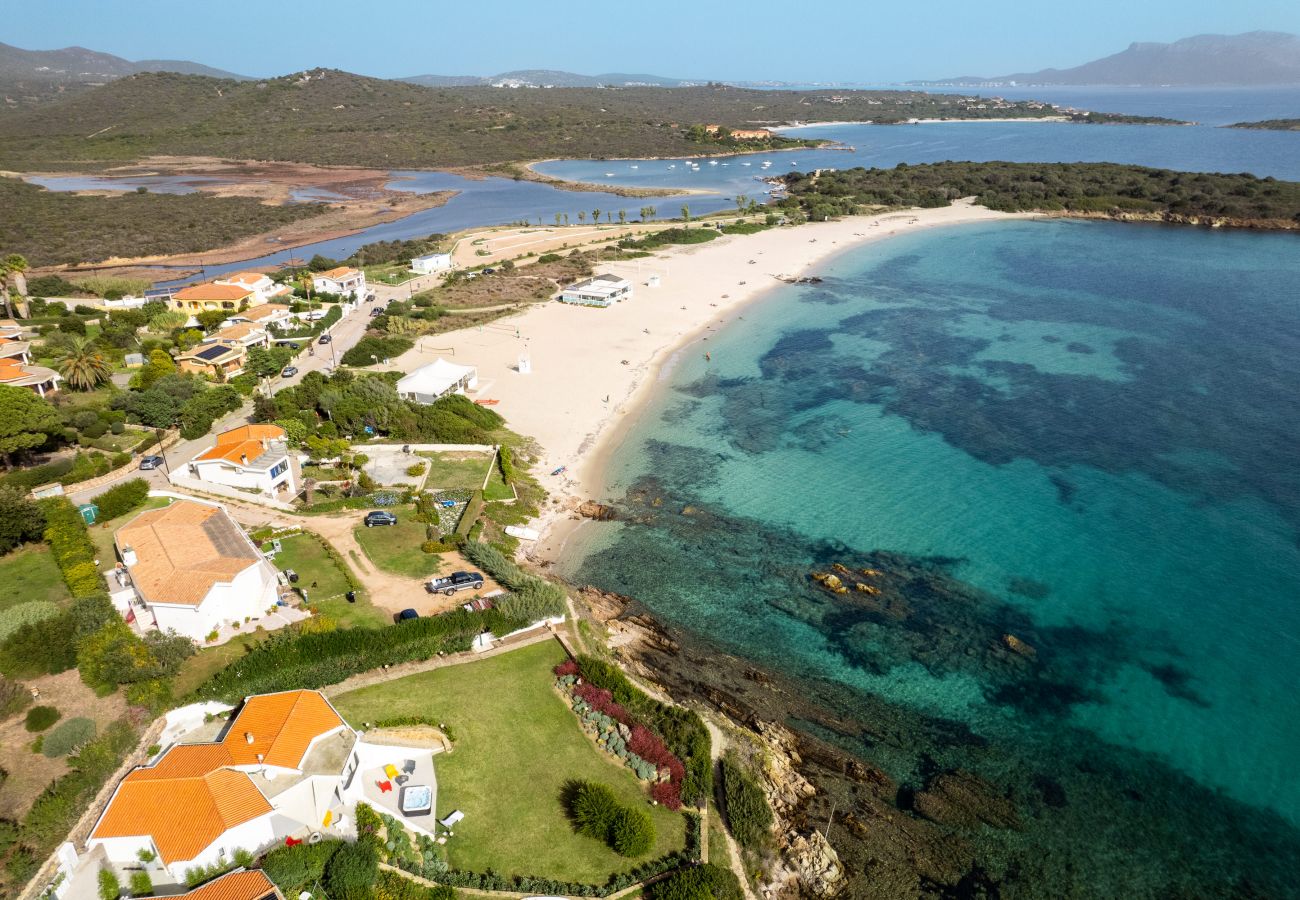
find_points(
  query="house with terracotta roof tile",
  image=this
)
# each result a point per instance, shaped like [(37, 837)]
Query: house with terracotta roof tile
[(245, 334), (259, 283), (251, 457), (213, 295), (15, 372), (190, 568), (244, 884), (216, 357), (284, 768), (342, 280)]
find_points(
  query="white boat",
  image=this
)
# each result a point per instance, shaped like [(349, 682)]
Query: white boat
[(634, 167), (609, 174), (713, 162), (746, 164)]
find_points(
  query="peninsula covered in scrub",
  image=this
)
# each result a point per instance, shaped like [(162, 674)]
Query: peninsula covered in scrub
[(1270, 125), (1093, 190)]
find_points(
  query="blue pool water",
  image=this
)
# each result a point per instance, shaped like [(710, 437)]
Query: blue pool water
[(1089, 431)]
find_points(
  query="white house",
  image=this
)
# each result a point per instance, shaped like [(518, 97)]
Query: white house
[(38, 379), (430, 263), (251, 457), (263, 288), (285, 767), (266, 316), (190, 568), (599, 290), (343, 280), (438, 379), (246, 334)]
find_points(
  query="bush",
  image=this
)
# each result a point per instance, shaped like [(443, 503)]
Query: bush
[(141, 884), (506, 462), (65, 532), (531, 598), (702, 882), (70, 736), (744, 804), (632, 833), (350, 873), (14, 697), (109, 887), (122, 499), (592, 807), (40, 718), (16, 617), (295, 868), (371, 346), (415, 470)]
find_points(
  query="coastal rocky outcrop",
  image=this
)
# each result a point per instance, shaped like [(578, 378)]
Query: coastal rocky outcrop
[(965, 800)]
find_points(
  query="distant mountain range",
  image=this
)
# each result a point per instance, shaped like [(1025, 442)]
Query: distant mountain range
[(1254, 58), (549, 78), (82, 66)]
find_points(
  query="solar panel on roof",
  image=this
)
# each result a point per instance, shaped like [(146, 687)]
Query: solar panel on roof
[(212, 353)]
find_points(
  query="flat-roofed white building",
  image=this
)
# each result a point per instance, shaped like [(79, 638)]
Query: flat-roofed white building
[(599, 290), (430, 263), (436, 380)]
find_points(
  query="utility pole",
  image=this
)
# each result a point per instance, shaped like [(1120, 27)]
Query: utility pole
[(163, 453), (826, 832)]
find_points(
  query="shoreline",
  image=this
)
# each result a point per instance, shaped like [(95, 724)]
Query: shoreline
[(1003, 120), (593, 370)]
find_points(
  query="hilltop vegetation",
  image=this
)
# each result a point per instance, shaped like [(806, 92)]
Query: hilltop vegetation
[(332, 117), (50, 227), (1075, 188), (1270, 125)]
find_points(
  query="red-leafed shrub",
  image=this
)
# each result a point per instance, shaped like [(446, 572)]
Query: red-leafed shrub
[(667, 794), (568, 667), (602, 700)]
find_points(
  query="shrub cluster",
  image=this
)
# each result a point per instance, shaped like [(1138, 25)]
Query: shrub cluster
[(744, 804), (49, 646), (71, 735), (702, 882), (21, 520), (122, 498), (16, 617), (531, 598), (65, 532)]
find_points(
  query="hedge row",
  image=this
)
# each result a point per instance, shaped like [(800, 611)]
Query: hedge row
[(122, 498), (65, 532), (531, 598), (291, 658), (744, 804)]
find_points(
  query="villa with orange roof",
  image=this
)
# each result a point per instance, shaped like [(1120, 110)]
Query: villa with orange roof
[(250, 457), (244, 884), (286, 767), (15, 371), (343, 280), (212, 295), (216, 357), (259, 283), (189, 568)]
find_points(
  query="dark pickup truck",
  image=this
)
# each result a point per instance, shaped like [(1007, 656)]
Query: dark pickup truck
[(456, 581)]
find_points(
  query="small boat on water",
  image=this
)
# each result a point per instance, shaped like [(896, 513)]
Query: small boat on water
[(713, 162), (609, 174), (746, 164), (634, 167)]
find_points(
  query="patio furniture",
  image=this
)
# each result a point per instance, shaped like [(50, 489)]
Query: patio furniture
[(390, 770), (292, 841), (402, 779), (384, 786), (408, 766)]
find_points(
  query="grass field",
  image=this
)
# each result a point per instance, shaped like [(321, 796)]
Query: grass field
[(396, 548), (325, 582), (211, 660), (516, 744), (455, 471), (29, 573)]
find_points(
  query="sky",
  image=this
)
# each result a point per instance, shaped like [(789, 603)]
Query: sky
[(863, 41)]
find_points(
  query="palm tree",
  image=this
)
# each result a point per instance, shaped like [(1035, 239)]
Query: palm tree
[(622, 216), (595, 217), (83, 365)]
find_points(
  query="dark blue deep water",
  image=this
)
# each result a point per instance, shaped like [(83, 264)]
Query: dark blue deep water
[(1081, 434)]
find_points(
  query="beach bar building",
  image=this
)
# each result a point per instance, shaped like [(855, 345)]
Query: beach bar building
[(436, 380), (599, 290)]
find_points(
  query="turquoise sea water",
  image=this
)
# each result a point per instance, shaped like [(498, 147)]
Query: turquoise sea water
[(1089, 433)]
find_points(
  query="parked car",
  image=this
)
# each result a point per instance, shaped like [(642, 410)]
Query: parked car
[(152, 461), (376, 312), (289, 371), (380, 517), (294, 345), (456, 581), (407, 614), (324, 339), (370, 298)]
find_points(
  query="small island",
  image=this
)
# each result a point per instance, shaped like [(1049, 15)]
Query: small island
[(1270, 125), (1104, 118), (1081, 190)]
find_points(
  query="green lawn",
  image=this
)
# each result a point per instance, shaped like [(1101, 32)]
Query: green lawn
[(497, 489), (211, 660), (455, 471), (324, 582), (516, 744), (29, 573), (396, 548)]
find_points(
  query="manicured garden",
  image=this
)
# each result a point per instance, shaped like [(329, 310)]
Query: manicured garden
[(396, 548), (517, 748), (455, 471)]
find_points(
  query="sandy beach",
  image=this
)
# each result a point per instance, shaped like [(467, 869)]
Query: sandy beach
[(592, 368)]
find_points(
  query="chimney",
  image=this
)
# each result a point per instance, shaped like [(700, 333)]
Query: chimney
[(243, 459), (128, 557), (248, 737)]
